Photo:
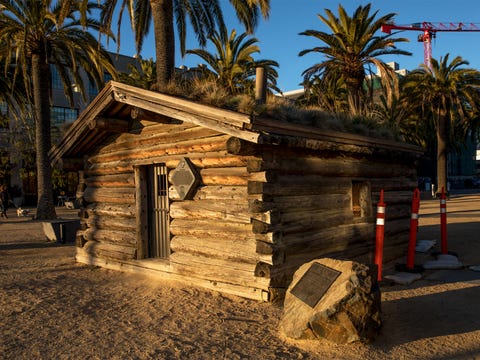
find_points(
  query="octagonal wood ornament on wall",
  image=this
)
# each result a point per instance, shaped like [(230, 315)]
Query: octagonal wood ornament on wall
[(185, 179)]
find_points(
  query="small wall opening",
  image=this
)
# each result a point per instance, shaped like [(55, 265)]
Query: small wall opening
[(361, 199)]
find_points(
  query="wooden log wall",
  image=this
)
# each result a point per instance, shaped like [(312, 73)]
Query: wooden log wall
[(211, 234), (307, 209), (258, 214)]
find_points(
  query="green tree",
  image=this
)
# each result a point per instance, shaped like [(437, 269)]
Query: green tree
[(352, 49), (144, 78), (448, 96), (204, 16), (37, 34), (233, 65)]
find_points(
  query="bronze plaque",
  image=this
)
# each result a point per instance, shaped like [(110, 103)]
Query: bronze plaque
[(314, 283)]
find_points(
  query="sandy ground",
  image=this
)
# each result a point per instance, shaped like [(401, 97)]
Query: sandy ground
[(53, 308)]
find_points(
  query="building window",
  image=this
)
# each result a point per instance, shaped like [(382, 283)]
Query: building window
[(92, 88), (61, 115), (56, 80), (361, 199)]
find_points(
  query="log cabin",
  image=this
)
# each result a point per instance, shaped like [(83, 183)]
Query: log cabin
[(225, 200)]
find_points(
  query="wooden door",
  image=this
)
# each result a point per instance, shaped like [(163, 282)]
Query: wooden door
[(158, 212)]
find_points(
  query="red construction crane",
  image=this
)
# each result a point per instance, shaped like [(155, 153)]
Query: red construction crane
[(429, 31)]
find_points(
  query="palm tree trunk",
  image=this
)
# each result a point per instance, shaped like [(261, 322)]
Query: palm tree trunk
[(442, 149), (41, 91), (162, 13)]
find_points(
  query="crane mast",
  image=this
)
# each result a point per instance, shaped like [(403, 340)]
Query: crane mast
[(429, 31)]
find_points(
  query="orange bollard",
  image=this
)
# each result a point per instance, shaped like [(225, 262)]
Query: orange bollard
[(443, 222), (412, 242), (379, 236)]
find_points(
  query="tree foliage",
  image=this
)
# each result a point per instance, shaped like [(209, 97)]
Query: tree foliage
[(447, 99), (351, 50), (204, 17), (232, 65), (37, 34)]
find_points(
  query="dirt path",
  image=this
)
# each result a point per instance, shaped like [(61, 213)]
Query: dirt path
[(53, 308)]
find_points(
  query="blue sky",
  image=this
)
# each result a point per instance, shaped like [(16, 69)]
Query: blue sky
[(279, 37)]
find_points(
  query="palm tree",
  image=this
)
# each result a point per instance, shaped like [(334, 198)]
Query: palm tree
[(351, 49), (37, 34), (327, 92), (144, 78), (450, 94), (11, 91), (204, 15), (233, 65)]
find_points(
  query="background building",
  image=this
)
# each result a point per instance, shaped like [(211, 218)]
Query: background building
[(17, 151)]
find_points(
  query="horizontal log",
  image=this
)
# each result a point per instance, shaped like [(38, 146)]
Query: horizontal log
[(228, 248), (322, 218), (260, 206), (106, 168), (145, 127), (115, 180), (231, 176), (216, 143), (218, 159), (298, 186), (225, 176), (237, 193), (271, 217), (105, 250), (274, 237), (110, 124), (201, 160), (333, 234), (163, 270), (110, 195), (111, 210), (234, 272), (293, 223), (170, 135), (242, 147), (125, 238), (262, 270), (339, 166), (327, 248), (311, 202), (276, 253), (118, 223), (205, 228), (210, 209)]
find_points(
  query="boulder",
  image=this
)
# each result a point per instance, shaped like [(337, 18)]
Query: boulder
[(334, 300)]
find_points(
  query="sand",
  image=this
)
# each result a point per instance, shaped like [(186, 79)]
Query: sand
[(53, 308)]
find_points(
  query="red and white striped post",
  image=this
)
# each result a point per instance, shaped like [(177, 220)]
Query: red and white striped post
[(379, 236), (412, 241), (443, 222)]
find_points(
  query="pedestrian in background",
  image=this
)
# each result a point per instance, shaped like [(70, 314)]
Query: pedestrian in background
[(4, 201)]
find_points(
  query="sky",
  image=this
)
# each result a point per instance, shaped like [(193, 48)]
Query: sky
[(279, 37)]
